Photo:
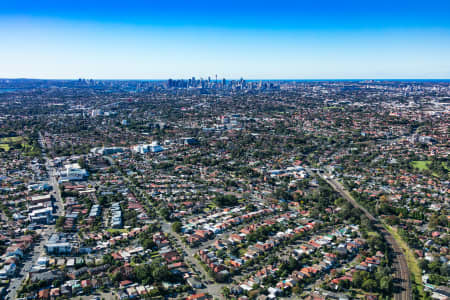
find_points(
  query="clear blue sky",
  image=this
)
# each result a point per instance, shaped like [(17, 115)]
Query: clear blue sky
[(254, 39)]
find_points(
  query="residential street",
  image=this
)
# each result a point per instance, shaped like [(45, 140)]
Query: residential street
[(213, 288)]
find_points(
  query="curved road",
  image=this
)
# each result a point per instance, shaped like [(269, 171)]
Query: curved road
[(401, 267)]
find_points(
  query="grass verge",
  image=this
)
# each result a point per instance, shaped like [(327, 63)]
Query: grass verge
[(411, 260)]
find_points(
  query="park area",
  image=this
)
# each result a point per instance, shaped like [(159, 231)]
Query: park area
[(20, 143)]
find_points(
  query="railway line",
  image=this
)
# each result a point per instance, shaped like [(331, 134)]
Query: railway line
[(401, 272)]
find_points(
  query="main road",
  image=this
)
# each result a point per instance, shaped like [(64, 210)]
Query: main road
[(402, 274), (31, 258)]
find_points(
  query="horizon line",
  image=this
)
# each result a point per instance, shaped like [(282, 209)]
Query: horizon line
[(219, 79)]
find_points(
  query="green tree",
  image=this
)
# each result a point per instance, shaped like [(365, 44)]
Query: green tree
[(60, 221), (148, 243), (344, 284), (108, 259), (423, 264), (297, 290), (176, 226), (369, 285), (386, 284), (160, 272), (358, 278), (226, 292), (165, 213), (143, 274)]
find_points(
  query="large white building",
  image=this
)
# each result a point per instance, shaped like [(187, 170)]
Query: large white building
[(73, 172), (106, 150), (57, 244), (41, 216), (154, 147)]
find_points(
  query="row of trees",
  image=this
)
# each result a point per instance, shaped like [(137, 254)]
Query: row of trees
[(380, 281)]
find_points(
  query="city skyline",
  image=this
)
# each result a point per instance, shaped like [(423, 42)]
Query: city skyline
[(254, 40)]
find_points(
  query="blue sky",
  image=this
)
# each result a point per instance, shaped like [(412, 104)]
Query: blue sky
[(253, 39)]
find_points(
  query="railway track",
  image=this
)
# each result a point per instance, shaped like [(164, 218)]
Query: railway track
[(401, 272)]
